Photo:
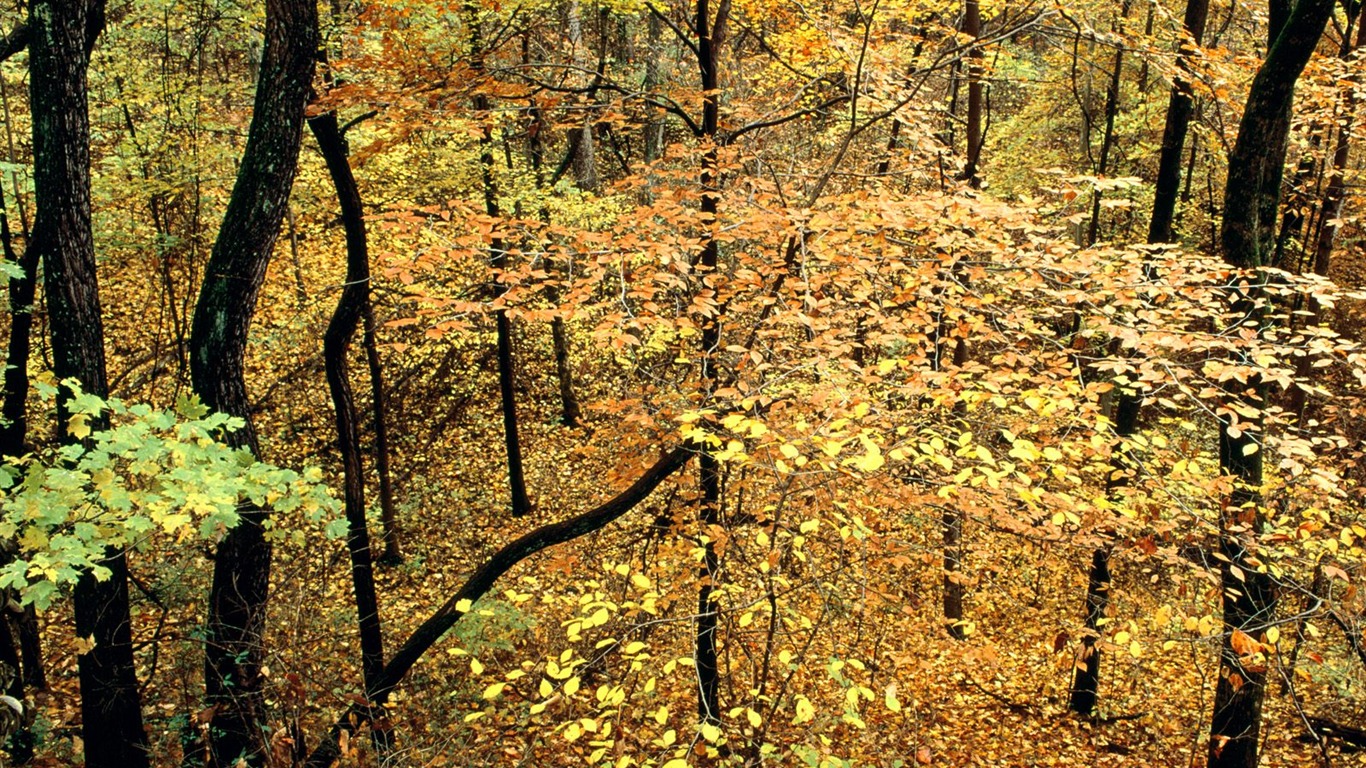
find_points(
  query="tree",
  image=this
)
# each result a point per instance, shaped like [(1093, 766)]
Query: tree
[(1251, 201), (62, 37), (234, 650)]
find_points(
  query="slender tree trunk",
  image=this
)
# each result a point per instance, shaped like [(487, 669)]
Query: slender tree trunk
[(1086, 680), (1180, 105), (336, 344), (654, 130), (388, 511), (1107, 137), (234, 642), (584, 144), (1331, 206), (710, 37), (521, 503), (954, 588), (62, 36), (19, 630), (972, 27), (1251, 199), (559, 335)]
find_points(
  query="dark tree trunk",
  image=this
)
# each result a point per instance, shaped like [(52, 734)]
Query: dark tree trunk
[(14, 424), (559, 335), (234, 646), (1180, 105), (61, 37), (1331, 206), (1086, 679), (14, 410), (521, 503), (1107, 137), (388, 512), (336, 344), (1251, 199), (954, 588), (710, 36), (972, 27)]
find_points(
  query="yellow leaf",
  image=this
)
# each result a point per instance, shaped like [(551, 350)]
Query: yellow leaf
[(890, 699), (464, 606), (710, 732), (476, 667), (494, 691), (571, 686)]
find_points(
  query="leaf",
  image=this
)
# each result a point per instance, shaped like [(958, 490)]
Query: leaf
[(1243, 644), (889, 698), (494, 691)]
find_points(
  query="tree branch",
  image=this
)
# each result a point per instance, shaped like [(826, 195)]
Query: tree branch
[(479, 583), (14, 42)]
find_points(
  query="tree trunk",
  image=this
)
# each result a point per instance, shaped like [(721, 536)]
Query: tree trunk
[(1086, 680), (972, 27), (1251, 199), (62, 35), (14, 419), (388, 511), (1179, 107), (710, 36), (1107, 137), (521, 503), (954, 588), (234, 646), (654, 130), (336, 344), (559, 335)]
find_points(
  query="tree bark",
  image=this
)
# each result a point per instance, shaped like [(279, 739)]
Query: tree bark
[(20, 630), (1086, 680), (388, 512), (521, 503), (234, 646), (62, 34), (1251, 199), (336, 344), (972, 27), (1107, 137), (1180, 105), (710, 36)]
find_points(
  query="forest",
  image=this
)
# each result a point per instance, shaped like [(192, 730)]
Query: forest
[(671, 383)]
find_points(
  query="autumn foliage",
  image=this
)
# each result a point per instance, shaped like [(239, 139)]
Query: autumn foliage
[(832, 400)]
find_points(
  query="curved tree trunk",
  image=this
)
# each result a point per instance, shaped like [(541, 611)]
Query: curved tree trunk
[(234, 649), (336, 344), (477, 585)]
